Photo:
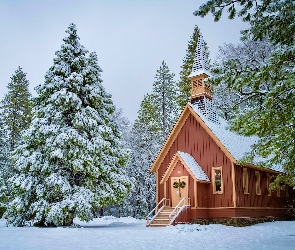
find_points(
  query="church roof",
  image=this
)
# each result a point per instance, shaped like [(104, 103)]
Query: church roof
[(194, 166), (190, 165), (236, 144)]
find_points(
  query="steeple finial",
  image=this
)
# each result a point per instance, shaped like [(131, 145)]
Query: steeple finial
[(200, 65)]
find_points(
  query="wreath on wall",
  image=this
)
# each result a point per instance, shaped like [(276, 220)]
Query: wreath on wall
[(176, 184)]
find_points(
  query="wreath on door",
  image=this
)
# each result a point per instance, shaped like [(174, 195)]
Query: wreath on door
[(182, 184), (175, 184)]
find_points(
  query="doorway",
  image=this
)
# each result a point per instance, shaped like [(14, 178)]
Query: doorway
[(179, 189)]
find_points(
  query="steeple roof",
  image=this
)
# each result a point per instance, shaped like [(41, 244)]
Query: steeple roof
[(201, 64)]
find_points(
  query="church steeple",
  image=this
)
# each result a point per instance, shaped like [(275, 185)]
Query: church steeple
[(200, 71)]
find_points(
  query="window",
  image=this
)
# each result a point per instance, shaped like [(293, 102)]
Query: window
[(268, 185), (258, 189), (279, 192), (287, 191), (245, 181), (217, 180)]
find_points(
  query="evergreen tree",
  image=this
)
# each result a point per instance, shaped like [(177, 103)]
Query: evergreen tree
[(16, 107), (144, 142), (145, 146), (244, 55), (71, 162), (270, 85), (124, 126), (5, 171), (184, 83), (267, 18), (163, 107)]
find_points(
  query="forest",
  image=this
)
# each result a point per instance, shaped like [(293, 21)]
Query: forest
[(70, 152)]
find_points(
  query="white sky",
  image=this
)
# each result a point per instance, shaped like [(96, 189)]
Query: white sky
[(130, 37)]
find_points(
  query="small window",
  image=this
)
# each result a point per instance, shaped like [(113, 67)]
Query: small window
[(268, 182), (217, 181), (245, 181), (287, 191), (257, 176), (279, 192)]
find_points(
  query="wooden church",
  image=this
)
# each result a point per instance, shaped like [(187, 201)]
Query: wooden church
[(197, 170)]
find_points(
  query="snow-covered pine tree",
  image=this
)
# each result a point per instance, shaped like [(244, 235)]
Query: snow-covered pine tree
[(145, 142), (163, 100), (124, 126), (72, 162), (145, 146), (5, 170), (156, 116), (16, 107), (247, 54)]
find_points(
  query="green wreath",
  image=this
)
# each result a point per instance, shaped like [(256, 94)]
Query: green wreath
[(176, 184), (182, 184)]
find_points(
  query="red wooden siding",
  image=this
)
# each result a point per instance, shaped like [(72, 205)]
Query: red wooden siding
[(236, 212), (252, 199), (193, 139)]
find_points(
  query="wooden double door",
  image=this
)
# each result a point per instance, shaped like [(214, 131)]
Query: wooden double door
[(179, 189)]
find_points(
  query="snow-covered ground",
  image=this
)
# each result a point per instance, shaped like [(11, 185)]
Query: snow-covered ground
[(129, 233)]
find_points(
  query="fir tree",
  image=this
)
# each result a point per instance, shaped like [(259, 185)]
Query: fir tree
[(156, 116), (164, 95), (144, 142), (184, 83), (144, 148), (243, 55), (267, 18), (5, 171), (16, 107), (270, 85), (71, 162)]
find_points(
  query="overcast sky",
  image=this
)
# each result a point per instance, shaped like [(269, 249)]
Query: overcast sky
[(130, 37)]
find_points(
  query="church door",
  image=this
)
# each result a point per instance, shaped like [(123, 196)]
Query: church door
[(179, 189)]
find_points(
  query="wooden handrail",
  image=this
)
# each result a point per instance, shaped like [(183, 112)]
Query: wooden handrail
[(148, 222), (178, 209)]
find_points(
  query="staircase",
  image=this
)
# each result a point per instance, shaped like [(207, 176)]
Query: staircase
[(163, 215), (162, 219)]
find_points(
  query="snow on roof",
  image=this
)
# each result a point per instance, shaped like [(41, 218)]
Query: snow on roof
[(200, 65), (194, 166), (236, 144), (199, 72)]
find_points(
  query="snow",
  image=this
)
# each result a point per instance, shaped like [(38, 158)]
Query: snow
[(194, 166), (201, 65), (129, 233)]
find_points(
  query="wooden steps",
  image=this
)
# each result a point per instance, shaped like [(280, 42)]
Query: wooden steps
[(162, 219)]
